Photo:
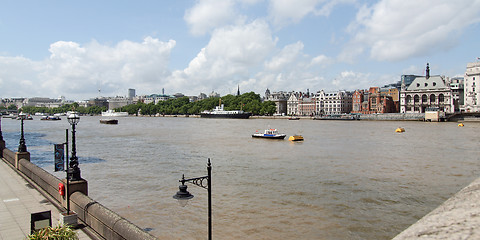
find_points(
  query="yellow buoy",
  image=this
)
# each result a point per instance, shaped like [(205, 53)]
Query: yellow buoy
[(295, 138), (400, 130), (460, 124)]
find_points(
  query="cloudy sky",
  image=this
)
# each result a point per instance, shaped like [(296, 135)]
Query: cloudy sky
[(74, 48)]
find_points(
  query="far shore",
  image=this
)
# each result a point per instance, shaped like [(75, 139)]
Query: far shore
[(363, 117)]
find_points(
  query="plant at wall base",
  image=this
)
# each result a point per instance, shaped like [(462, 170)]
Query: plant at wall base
[(60, 232)]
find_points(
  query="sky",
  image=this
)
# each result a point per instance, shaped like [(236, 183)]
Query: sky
[(86, 49)]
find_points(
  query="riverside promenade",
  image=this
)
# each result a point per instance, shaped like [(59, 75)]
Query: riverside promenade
[(19, 199)]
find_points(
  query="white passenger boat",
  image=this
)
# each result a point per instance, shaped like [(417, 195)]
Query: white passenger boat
[(112, 113)]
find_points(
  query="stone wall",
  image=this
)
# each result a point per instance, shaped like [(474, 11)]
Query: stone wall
[(100, 219), (9, 156), (456, 218), (394, 117)]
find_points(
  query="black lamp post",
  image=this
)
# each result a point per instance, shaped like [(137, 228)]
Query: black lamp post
[(183, 195), (21, 146), (73, 171), (1, 137)]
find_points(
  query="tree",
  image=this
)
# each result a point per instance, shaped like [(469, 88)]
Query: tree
[(12, 107)]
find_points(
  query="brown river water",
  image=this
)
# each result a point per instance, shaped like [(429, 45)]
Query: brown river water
[(347, 180)]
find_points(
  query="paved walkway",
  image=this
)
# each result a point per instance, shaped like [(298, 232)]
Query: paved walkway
[(18, 199)]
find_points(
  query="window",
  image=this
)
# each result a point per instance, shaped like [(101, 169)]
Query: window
[(418, 84), (409, 99), (416, 99), (441, 98), (434, 84), (432, 98), (426, 84), (424, 98)]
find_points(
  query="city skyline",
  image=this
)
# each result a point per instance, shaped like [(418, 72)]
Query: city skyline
[(74, 49)]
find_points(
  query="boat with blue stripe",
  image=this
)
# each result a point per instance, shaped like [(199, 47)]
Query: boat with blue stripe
[(271, 133)]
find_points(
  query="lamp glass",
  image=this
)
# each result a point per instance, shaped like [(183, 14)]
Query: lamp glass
[(183, 195), (182, 202), (73, 118)]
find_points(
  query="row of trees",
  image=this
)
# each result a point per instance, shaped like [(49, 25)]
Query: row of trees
[(249, 102), (93, 110)]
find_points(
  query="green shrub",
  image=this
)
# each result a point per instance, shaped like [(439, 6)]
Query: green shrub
[(63, 232)]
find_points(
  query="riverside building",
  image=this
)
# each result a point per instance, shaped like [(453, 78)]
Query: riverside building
[(334, 102), (472, 87), (426, 92), (280, 99)]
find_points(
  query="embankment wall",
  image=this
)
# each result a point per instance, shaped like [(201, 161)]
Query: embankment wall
[(105, 222), (394, 117), (456, 218)]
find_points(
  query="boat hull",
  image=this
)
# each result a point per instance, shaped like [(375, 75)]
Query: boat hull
[(109, 121), (282, 136), (236, 116)]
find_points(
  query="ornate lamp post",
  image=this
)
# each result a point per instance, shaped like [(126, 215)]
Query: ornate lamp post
[(2, 143), (1, 137), (21, 146), (183, 195), (73, 171)]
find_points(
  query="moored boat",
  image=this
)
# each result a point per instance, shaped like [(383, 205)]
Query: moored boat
[(50, 118), (112, 113), (109, 121), (25, 117), (269, 133), (219, 112)]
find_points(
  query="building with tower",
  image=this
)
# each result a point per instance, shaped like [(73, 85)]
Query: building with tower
[(426, 93)]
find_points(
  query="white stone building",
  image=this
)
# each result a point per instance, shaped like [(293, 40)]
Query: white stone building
[(333, 103), (280, 99), (471, 87), (292, 104), (426, 92)]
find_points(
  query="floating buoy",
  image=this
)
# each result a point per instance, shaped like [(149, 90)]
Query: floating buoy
[(400, 130), (460, 124), (295, 138)]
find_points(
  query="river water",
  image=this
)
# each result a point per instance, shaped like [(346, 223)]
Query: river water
[(347, 180)]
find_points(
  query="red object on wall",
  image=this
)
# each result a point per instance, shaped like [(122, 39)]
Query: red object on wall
[(61, 189)]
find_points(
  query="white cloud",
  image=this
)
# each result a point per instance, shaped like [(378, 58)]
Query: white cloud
[(78, 71), (290, 69), (352, 80), (228, 58), (321, 61), (286, 58), (18, 77), (207, 15), (395, 29), (284, 12)]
